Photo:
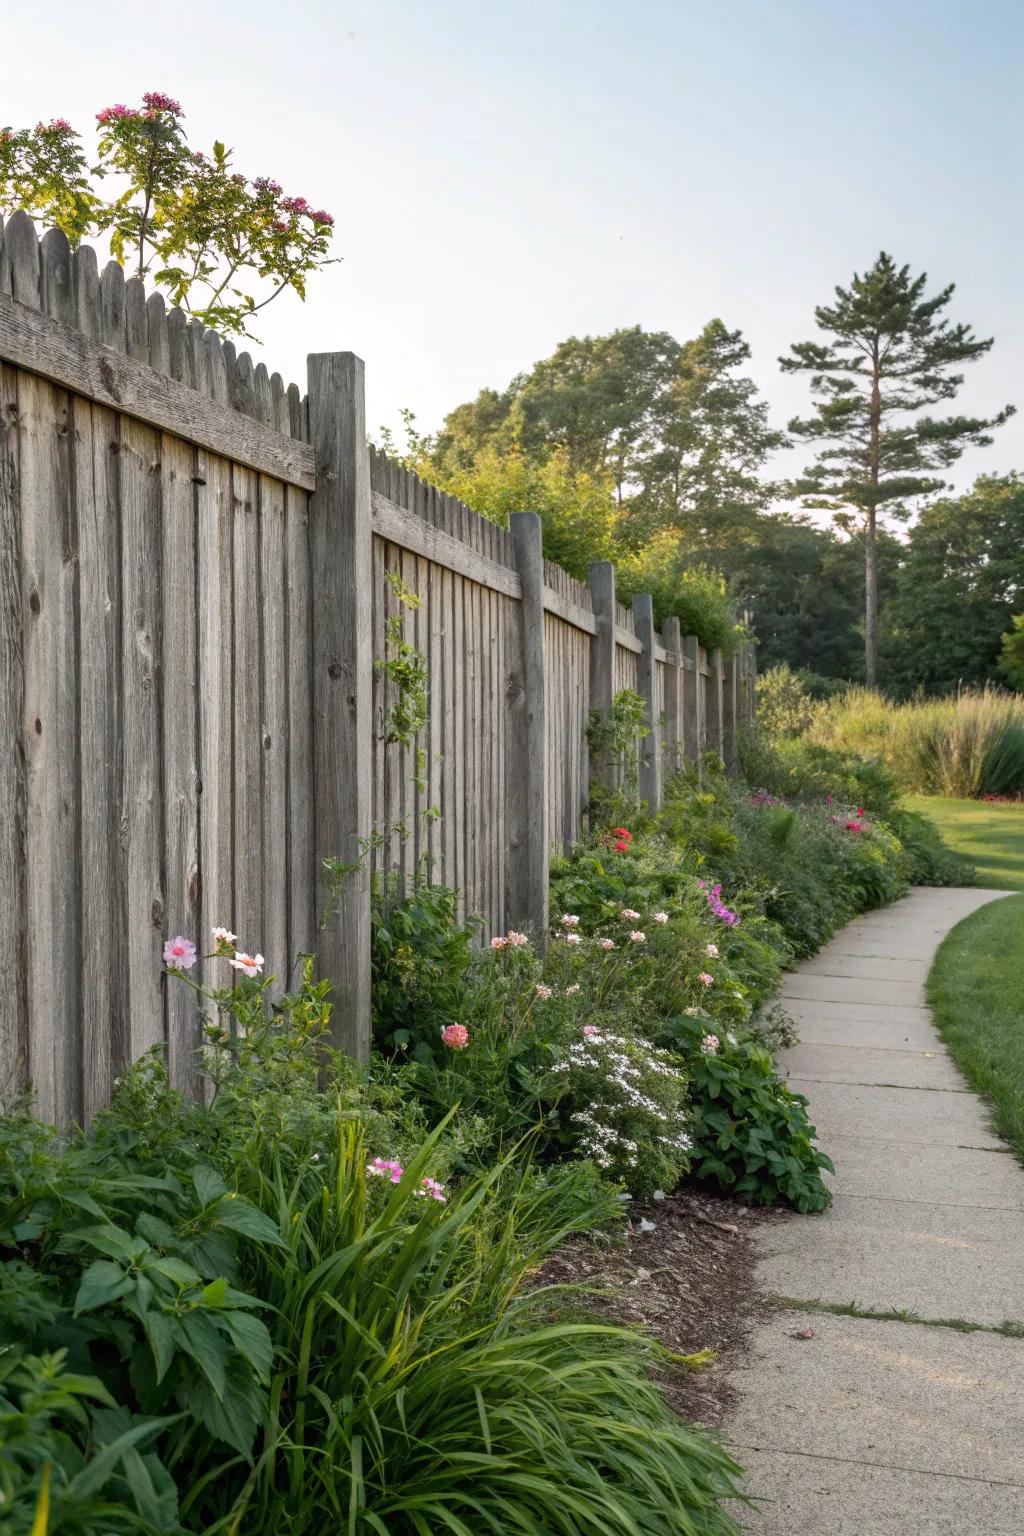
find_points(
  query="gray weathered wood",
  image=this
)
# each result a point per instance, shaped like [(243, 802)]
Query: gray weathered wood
[(573, 613), (42, 345), (180, 788), (674, 675), (88, 304), (650, 746), (627, 640), (13, 922), (56, 277), (713, 707), (602, 657), (692, 728), (403, 528), (341, 546), (526, 809), (22, 250), (730, 697)]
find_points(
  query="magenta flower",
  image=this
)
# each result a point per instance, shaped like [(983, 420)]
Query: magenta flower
[(389, 1168), (430, 1187), (455, 1036), (157, 101), (180, 953), (117, 113)]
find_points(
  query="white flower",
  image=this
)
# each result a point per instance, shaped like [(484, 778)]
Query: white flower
[(573, 990), (712, 951), (636, 937), (570, 920), (628, 915), (709, 1045), (543, 992), (573, 938), (659, 917), (607, 943), (250, 964), (224, 936), (516, 940)]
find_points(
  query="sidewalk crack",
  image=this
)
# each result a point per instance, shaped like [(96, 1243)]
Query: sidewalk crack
[(1008, 1329)]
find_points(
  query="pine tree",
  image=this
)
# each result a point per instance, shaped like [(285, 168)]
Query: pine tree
[(888, 357)]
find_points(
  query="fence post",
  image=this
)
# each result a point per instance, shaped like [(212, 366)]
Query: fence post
[(713, 706), (730, 692), (602, 658), (672, 640), (690, 663), (526, 789), (650, 747), (341, 538)]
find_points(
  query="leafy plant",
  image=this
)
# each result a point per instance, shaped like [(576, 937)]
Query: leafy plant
[(201, 230)]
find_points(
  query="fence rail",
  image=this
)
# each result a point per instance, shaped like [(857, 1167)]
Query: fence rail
[(194, 606)]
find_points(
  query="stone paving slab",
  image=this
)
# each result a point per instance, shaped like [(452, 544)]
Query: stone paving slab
[(831, 1062), (836, 961), (939, 1261), (853, 989), (816, 1496), (869, 1426), (907, 1116), (901, 1394), (914, 1171)]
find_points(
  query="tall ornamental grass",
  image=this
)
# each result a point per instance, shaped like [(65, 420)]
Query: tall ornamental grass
[(963, 746)]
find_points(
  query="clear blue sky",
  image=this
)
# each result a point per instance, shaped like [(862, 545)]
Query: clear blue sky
[(504, 175)]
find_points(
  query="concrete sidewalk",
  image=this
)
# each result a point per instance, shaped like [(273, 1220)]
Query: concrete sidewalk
[(889, 1428)]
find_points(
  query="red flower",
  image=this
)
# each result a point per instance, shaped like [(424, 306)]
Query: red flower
[(621, 847)]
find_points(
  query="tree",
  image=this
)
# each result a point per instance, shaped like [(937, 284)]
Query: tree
[(1011, 654), (960, 581), (198, 228), (887, 358)]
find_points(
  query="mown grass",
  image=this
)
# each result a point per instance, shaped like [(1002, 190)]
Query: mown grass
[(991, 836), (976, 991)]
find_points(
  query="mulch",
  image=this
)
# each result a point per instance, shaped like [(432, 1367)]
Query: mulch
[(689, 1281)]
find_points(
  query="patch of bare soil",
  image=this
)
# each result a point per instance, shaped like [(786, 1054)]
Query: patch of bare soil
[(685, 1273)]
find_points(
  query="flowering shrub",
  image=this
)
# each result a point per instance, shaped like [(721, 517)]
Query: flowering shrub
[(625, 1105), (200, 229), (421, 956)]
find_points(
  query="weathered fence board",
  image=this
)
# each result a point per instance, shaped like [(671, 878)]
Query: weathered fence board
[(193, 702)]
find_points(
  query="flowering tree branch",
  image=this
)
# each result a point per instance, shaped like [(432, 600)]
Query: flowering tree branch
[(199, 229)]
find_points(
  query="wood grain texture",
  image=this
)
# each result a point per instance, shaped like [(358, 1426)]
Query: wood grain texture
[(650, 746), (526, 803), (341, 563), (13, 918), (45, 346)]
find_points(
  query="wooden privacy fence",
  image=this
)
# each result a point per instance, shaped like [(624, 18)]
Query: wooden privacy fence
[(194, 593)]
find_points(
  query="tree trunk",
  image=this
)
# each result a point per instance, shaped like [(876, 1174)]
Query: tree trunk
[(870, 542), (870, 602)]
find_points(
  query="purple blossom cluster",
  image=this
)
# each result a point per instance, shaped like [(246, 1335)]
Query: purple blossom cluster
[(718, 906)]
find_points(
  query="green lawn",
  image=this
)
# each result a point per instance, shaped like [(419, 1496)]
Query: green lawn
[(991, 836), (976, 990)]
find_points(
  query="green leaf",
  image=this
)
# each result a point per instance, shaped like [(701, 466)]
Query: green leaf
[(199, 1338), (209, 1185), (251, 1338), (175, 1270), (160, 1332), (238, 1215), (101, 1283)]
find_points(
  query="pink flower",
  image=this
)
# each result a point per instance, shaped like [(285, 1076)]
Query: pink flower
[(432, 1188), (712, 951), (607, 943), (636, 937), (250, 964), (516, 940), (659, 917), (499, 943), (589, 1031), (542, 992), (158, 102), (117, 113), (628, 915), (320, 217), (223, 937), (180, 953), (706, 980), (55, 125), (573, 938), (389, 1168), (709, 1045), (295, 205), (455, 1036), (264, 184), (574, 990), (570, 920)]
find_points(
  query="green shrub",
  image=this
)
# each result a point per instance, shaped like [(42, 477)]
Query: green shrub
[(420, 955), (784, 705), (751, 1133), (278, 1313), (696, 596)]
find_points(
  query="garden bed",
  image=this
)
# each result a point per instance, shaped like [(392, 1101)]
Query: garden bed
[(689, 1282)]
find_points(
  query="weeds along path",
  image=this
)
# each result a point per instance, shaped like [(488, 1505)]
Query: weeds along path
[(884, 1393)]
